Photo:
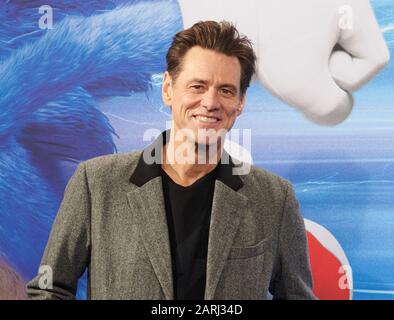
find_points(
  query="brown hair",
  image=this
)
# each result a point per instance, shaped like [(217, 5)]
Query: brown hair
[(222, 37)]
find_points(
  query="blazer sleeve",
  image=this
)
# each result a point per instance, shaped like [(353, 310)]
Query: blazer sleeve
[(67, 252), (292, 273)]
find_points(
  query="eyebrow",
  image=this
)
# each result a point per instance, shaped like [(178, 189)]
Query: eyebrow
[(228, 85)]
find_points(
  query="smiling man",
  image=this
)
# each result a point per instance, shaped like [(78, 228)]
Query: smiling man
[(184, 226), (205, 98)]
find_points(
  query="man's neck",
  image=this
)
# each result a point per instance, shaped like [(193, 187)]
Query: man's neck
[(200, 160)]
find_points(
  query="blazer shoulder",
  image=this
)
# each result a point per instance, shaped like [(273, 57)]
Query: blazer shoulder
[(260, 180), (112, 165)]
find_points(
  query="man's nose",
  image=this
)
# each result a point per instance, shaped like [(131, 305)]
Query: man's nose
[(211, 100)]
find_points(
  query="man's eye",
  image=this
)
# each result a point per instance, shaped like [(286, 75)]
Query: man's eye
[(227, 92)]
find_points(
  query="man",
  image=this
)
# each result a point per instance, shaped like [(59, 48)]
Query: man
[(182, 226)]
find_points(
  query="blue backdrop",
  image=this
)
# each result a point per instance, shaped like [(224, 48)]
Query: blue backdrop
[(67, 96)]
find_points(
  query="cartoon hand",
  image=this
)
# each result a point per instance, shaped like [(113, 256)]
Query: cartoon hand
[(311, 54)]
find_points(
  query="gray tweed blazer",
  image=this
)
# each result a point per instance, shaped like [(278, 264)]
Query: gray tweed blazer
[(112, 221)]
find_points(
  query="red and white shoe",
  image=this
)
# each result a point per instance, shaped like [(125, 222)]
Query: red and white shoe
[(331, 271)]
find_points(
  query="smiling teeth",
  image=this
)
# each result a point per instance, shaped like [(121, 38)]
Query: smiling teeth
[(206, 119)]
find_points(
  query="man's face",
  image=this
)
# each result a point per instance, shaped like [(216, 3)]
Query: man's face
[(206, 94)]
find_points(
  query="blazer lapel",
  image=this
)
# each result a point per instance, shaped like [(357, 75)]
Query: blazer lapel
[(225, 218), (147, 202)]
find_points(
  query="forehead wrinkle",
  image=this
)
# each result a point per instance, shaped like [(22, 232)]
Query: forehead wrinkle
[(220, 85)]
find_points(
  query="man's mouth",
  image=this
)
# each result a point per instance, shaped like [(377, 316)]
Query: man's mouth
[(206, 119)]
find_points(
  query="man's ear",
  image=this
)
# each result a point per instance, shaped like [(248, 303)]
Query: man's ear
[(241, 104), (166, 89)]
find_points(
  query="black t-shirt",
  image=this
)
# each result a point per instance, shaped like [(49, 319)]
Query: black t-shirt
[(188, 211)]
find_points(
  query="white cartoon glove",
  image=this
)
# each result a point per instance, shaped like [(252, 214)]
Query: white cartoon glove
[(312, 54)]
